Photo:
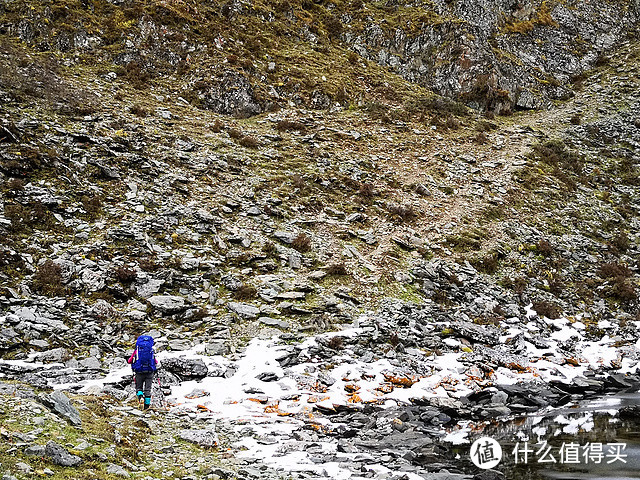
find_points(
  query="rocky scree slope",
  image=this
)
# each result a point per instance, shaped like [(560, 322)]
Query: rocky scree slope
[(128, 209)]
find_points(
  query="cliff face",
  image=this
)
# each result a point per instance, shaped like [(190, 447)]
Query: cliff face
[(500, 55), (237, 57)]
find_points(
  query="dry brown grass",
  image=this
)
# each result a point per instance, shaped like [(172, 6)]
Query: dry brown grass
[(302, 243)]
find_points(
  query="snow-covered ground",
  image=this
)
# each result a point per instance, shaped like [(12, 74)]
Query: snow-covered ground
[(275, 410)]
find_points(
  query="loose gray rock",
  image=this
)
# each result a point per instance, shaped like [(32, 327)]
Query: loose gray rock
[(295, 260), (231, 94), (114, 469), (186, 368), (291, 295), (103, 309), (91, 363), (489, 475), (231, 282), (273, 322), (54, 355), (179, 344), (204, 438), (23, 467), (59, 403), (285, 237), (167, 304), (197, 393), (216, 348), (60, 456), (245, 310), (37, 450), (149, 288)]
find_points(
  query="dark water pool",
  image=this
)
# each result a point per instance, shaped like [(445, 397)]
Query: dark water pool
[(585, 441)]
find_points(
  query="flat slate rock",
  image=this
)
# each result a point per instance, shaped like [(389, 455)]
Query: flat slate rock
[(245, 310), (273, 322), (291, 295), (167, 303), (204, 438), (59, 403)]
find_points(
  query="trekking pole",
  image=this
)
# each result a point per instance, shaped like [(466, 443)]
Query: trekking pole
[(161, 391), (133, 385)]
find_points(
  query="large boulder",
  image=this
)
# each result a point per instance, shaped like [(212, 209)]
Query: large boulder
[(186, 368)]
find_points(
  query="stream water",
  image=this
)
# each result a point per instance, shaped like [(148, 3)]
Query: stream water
[(584, 441)]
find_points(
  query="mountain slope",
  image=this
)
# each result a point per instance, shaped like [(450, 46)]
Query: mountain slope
[(133, 200)]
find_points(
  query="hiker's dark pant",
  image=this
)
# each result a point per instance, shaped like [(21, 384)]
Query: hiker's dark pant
[(143, 382)]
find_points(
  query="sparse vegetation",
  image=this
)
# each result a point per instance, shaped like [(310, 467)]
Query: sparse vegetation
[(336, 343), (249, 142), (48, 279), (620, 243), (125, 274), (542, 17), (139, 111), (288, 125), (337, 269), (156, 186), (567, 166), (367, 191), (245, 292), (269, 248), (401, 212), (547, 309), (545, 248), (302, 243), (92, 205), (614, 270), (486, 264), (235, 133)]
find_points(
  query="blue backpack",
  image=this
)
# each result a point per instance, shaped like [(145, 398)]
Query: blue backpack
[(145, 360)]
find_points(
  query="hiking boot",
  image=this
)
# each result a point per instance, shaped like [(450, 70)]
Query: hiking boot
[(147, 403)]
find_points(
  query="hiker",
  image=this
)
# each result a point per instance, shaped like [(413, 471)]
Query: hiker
[(144, 364)]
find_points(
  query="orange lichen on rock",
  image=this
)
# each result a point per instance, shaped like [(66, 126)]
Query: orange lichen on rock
[(271, 408), (318, 387), (572, 361), (385, 388), (354, 398), (517, 367), (401, 381), (316, 399), (275, 408), (447, 383)]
